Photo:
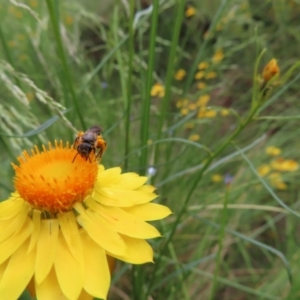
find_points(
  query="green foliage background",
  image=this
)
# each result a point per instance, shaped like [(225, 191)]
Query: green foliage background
[(68, 65)]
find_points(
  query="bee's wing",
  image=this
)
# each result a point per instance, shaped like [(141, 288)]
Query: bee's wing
[(77, 139), (95, 129)]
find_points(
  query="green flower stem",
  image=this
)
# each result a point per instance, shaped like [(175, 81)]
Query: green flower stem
[(129, 81), (221, 240), (147, 97), (61, 53), (238, 130)]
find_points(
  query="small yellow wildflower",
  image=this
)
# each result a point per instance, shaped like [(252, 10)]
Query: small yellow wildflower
[(219, 26), (224, 112), (210, 113), (201, 112), (190, 11), (218, 56), (192, 106), (270, 70), (23, 57), (203, 65), (199, 75), (21, 37), (33, 3), (11, 44), (277, 182), (180, 74), (206, 113), (273, 151), (201, 85), (179, 103), (284, 165), (18, 14), (184, 111), (216, 178), (189, 125), (194, 137), (30, 96), (263, 170), (69, 20), (203, 100), (210, 75), (158, 90)]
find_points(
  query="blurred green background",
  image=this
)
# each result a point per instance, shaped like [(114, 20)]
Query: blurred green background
[(170, 82)]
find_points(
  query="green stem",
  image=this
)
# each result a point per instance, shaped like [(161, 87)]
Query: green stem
[(147, 102), (61, 53), (221, 239), (129, 81)]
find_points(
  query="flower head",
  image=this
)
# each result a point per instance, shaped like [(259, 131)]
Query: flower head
[(180, 74), (66, 220), (270, 70), (157, 90), (218, 56), (273, 151), (190, 11)]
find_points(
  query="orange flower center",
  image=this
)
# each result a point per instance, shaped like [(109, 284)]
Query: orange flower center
[(51, 181)]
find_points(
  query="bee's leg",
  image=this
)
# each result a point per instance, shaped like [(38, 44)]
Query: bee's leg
[(76, 142), (75, 157), (101, 145)]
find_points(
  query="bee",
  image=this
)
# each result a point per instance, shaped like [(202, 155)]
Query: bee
[(88, 142)]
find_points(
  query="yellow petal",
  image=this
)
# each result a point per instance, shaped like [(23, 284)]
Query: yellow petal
[(69, 229), (97, 196), (148, 211), (3, 268), (18, 273), (109, 177), (36, 221), (138, 251), (146, 189), (11, 208), (101, 232), (97, 275), (131, 181), (85, 296), (68, 271), (9, 227), (132, 197), (49, 289), (46, 248), (125, 223), (10, 245)]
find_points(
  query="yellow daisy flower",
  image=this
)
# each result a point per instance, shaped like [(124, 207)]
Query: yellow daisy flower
[(66, 219), (270, 70), (216, 178), (203, 100), (180, 74), (203, 65), (194, 137), (190, 11), (201, 85), (224, 112), (199, 75), (211, 75), (273, 151), (263, 170), (284, 165), (157, 90), (218, 56)]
